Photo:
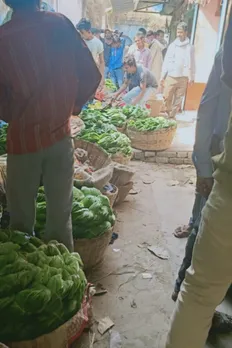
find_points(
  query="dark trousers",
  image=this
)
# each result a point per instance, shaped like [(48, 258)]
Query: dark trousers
[(194, 222)]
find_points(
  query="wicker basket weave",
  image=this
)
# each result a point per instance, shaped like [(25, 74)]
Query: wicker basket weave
[(122, 129), (120, 158), (157, 140), (92, 250), (111, 195), (98, 157)]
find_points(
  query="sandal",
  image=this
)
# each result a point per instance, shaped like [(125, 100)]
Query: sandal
[(182, 231)]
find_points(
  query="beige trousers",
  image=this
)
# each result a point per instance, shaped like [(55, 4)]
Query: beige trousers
[(174, 92), (210, 275), (24, 172)]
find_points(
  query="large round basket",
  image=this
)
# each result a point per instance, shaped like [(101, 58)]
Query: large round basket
[(157, 140), (98, 157), (92, 251), (120, 158)]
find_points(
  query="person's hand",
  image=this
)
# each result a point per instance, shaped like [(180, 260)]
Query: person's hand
[(161, 84), (204, 186), (101, 85), (191, 83)]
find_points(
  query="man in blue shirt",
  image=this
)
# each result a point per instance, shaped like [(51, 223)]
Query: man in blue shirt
[(212, 121), (116, 61)]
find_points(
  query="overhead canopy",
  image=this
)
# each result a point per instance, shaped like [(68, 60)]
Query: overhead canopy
[(165, 7), (122, 5)]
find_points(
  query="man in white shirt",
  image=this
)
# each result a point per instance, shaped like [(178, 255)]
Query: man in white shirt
[(178, 70), (94, 45)]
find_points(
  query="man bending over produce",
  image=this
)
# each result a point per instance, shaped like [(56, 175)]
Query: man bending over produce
[(46, 74), (140, 81)]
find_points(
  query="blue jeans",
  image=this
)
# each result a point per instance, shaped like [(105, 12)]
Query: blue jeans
[(117, 77), (134, 92), (107, 71)]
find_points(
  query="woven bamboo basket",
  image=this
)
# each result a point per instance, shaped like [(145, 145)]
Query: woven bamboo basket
[(157, 140), (92, 251), (120, 158), (98, 157), (122, 129), (112, 195), (77, 125)]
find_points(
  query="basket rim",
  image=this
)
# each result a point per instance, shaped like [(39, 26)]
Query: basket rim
[(155, 131), (96, 238), (89, 143)]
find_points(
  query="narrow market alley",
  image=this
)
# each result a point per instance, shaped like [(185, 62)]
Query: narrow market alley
[(141, 308)]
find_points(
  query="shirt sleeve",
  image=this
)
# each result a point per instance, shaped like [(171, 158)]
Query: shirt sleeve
[(227, 53), (100, 47)]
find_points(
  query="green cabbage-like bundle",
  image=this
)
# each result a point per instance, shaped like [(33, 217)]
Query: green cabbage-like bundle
[(41, 286)]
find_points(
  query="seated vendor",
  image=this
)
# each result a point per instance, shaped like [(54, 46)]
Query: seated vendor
[(139, 80)]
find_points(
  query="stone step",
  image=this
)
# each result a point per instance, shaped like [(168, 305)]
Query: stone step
[(164, 157)]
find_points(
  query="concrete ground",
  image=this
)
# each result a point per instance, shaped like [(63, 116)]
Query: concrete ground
[(185, 135), (141, 308)]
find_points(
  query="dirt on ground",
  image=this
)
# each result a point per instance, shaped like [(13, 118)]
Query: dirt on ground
[(138, 283)]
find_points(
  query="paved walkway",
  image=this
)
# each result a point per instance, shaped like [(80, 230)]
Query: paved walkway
[(185, 134)]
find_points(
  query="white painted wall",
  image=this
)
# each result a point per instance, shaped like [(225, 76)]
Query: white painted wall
[(71, 9)]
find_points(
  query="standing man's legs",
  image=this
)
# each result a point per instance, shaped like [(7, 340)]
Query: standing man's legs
[(58, 170), (196, 218), (169, 91), (209, 277), (23, 180), (182, 83)]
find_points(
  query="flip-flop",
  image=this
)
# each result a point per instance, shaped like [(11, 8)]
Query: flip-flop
[(182, 231)]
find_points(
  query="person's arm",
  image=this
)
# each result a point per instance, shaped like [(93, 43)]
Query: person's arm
[(192, 65), (122, 89), (227, 54), (143, 87), (164, 71), (102, 68), (149, 60), (88, 75)]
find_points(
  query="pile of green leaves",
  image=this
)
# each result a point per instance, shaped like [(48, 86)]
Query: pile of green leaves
[(135, 112), (100, 128), (116, 117), (92, 215), (41, 286), (3, 137), (110, 85), (151, 124)]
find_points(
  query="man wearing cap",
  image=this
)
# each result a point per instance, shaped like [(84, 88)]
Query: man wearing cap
[(178, 70)]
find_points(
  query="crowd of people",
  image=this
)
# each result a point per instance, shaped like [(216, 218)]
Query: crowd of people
[(156, 66)]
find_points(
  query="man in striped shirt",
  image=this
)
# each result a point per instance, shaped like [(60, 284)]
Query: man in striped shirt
[(46, 74)]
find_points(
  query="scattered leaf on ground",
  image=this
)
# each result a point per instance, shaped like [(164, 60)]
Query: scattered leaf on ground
[(160, 252), (147, 276), (104, 325)]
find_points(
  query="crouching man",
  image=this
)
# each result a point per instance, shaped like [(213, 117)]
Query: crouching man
[(140, 82)]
